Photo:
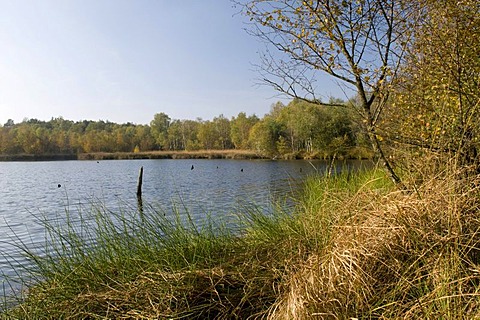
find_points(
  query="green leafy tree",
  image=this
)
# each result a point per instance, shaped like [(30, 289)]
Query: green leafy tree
[(27, 139), (143, 138), (222, 129), (159, 125), (175, 139), (264, 136), (311, 129), (301, 121), (336, 135), (207, 135), (60, 135), (240, 129), (190, 130), (8, 139)]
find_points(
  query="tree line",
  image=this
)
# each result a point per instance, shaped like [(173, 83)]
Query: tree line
[(298, 129)]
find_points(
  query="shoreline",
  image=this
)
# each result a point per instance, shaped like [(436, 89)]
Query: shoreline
[(36, 157), (200, 154), (203, 154)]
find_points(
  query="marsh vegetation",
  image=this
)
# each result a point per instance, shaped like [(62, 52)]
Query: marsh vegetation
[(353, 247)]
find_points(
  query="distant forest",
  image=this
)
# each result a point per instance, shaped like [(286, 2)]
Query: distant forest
[(297, 130)]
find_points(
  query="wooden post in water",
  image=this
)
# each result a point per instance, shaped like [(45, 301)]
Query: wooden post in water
[(139, 190)]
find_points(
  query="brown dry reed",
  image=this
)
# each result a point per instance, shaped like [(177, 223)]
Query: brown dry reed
[(398, 255)]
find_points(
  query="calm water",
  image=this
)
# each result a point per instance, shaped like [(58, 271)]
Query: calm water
[(216, 187)]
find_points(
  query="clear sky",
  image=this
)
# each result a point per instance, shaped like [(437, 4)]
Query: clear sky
[(125, 60)]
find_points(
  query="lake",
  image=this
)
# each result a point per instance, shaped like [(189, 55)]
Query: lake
[(215, 187)]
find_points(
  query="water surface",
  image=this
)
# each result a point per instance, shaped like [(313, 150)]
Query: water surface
[(215, 187)]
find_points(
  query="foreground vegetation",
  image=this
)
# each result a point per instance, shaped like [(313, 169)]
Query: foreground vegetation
[(354, 247)]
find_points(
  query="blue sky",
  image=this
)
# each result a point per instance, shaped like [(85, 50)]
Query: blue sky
[(125, 60)]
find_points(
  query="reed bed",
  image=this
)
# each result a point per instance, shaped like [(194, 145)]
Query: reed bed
[(198, 154), (395, 255), (355, 247)]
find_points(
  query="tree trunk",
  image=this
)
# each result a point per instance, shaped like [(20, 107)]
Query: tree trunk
[(377, 148)]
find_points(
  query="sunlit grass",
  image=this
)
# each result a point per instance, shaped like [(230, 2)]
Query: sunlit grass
[(391, 254), (354, 247), (91, 263)]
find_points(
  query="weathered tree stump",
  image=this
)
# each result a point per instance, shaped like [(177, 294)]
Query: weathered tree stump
[(139, 190)]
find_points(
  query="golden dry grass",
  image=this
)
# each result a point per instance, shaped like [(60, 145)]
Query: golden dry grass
[(403, 255)]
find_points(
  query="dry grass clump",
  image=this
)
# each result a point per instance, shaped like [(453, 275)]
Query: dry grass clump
[(402, 255)]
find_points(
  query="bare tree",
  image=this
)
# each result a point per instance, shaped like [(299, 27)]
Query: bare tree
[(359, 43)]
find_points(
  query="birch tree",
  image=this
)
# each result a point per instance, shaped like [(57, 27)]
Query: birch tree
[(358, 43)]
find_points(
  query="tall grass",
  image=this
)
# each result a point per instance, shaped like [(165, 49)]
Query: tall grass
[(354, 247), (107, 264), (394, 254)]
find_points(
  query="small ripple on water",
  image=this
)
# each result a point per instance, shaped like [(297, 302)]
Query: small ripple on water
[(30, 194)]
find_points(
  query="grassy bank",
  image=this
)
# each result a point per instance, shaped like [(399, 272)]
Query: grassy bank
[(37, 157), (357, 153), (354, 248), (201, 154)]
